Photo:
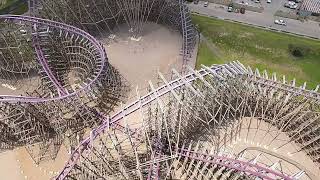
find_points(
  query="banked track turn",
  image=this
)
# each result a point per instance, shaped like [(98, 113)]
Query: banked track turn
[(53, 107), (102, 18), (89, 40), (220, 72)]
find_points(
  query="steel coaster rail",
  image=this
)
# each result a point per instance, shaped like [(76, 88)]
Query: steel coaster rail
[(70, 29), (243, 166), (154, 167)]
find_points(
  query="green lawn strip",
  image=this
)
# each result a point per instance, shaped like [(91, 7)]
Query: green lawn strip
[(8, 3), (260, 48), (22, 8), (206, 56), (14, 7)]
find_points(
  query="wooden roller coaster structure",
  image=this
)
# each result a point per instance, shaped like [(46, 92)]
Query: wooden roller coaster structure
[(184, 129)]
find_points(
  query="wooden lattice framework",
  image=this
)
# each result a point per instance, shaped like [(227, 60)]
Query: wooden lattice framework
[(102, 18), (60, 84), (184, 129)]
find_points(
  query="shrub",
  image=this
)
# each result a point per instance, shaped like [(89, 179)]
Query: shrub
[(298, 50)]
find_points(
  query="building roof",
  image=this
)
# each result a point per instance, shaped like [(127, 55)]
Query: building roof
[(311, 6)]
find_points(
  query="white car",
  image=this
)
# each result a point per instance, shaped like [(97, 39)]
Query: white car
[(280, 22), (295, 6), (268, 1), (291, 3), (206, 4)]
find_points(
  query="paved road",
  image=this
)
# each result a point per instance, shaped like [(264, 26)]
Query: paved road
[(266, 19)]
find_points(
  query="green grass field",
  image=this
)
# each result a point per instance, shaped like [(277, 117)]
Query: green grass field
[(13, 7), (266, 50)]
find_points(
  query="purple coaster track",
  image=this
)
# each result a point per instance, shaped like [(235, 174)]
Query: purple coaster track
[(143, 101), (239, 165), (44, 63), (153, 172), (71, 30), (54, 93)]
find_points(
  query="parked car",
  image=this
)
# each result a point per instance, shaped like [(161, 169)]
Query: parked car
[(242, 10), (294, 6), (291, 5), (257, 1), (206, 4), (280, 22), (230, 8), (268, 1)]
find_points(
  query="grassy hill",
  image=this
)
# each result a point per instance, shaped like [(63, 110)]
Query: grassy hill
[(276, 52)]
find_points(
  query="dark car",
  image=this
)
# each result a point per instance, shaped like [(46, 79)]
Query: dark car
[(242, 10)]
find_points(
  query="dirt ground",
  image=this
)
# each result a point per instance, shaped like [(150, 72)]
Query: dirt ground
[(9, 166), (19, 87), (139, 60), (18, 165)]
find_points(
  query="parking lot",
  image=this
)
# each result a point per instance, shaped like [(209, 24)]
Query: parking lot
[(289, 8), (249, 2), (269, 6), (264, 19)]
